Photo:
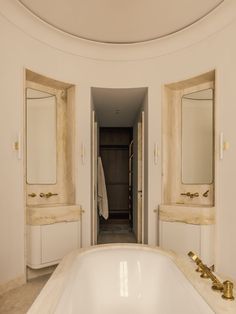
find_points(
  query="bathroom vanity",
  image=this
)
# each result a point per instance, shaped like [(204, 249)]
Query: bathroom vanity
[(187, 213), (48, 226), (52, 216)]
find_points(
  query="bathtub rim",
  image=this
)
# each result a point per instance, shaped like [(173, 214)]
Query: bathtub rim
[(55, 284)]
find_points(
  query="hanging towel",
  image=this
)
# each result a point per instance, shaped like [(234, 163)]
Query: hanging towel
[(102, 191)]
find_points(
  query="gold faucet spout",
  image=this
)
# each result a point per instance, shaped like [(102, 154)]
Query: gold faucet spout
[(191, 195), (206, 272), (47, 195)]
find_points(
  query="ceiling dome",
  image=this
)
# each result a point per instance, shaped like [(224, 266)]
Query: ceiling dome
[(120, 21)]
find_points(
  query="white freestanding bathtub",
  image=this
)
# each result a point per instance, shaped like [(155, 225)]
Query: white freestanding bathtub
[(119, 279)]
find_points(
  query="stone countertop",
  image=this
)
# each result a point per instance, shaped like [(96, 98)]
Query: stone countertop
[(50, 214), (55, 285), (197, 215)]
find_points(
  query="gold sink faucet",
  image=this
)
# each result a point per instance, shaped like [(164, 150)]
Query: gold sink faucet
[(191, 195), (47, 195), (226, 287)]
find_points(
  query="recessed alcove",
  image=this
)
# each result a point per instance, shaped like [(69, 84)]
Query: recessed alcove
[(52, 216), (182, 143), (38, 146), (187, 212)]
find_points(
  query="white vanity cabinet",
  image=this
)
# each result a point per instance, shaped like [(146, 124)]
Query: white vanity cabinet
[(181, 238), (48, 244)]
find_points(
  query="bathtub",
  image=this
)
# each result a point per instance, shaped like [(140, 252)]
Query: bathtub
[(120, 279)]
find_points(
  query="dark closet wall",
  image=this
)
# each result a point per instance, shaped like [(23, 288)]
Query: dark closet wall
[(114, 151)]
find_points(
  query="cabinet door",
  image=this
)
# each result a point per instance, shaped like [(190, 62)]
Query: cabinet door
[(58, 240), (180, 237)]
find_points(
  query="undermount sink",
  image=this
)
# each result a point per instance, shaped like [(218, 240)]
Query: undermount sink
[(53, 213)]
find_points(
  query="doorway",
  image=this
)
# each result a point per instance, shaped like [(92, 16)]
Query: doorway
[(114, 149), (118, 140)]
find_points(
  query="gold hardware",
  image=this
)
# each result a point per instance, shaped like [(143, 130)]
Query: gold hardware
[(47, 195), (191, 195), (217, 286), (205, 270), (205, 194), (198, 270), (16, 145), (226, 287), (204, 274), (32, 194), (228, 290)]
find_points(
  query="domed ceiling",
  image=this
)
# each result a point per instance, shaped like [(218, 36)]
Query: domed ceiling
[(120, 21)]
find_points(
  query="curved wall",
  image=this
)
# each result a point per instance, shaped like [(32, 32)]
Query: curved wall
[(86, 64)]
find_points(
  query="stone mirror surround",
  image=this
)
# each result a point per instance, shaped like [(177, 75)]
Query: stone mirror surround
[(60, 183), (175, 186)]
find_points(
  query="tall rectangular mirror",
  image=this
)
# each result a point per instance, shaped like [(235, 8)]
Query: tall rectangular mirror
[(198, 137), (41, 121)]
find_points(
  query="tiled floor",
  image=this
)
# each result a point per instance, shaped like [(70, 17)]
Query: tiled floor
[(116, 238), (116, 231), (19, 300)]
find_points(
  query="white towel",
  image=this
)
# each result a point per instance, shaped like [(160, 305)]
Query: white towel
[(102, 191)]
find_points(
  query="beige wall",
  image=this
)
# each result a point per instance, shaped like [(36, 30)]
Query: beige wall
[(19, 50)]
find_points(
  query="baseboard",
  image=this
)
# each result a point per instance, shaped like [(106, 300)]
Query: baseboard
[(34, 273), (12, 284)]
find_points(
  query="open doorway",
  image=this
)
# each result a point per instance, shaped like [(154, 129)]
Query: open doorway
[(114, 149), (117, 166)]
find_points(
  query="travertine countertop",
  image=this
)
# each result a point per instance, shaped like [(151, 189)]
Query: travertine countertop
[(198, 215), (50, 214)]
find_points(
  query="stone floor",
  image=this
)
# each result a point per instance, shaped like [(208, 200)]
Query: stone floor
[(19, 300), (116, 231), (116, 238)]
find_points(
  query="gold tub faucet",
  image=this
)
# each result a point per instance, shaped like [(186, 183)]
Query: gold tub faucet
[(226, 287)]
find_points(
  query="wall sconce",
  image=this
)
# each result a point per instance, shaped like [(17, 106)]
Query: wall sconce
[(224, 145), (17, 146), (82, 154), (155, 153)]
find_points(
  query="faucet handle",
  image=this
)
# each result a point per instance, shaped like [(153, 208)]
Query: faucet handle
[(228, 287), (205, 194)]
